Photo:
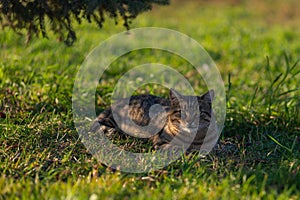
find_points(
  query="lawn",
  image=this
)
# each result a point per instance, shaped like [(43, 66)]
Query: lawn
[(255, 45)]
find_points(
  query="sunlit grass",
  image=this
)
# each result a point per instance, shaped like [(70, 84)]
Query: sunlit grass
[(258, 58)]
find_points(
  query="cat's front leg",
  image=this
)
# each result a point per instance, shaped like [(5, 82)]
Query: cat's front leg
[(161, 141)]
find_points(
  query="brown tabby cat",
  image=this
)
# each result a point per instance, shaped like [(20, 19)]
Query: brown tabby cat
[(181, 117)]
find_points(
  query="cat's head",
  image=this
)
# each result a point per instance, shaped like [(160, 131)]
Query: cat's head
[(190, 112)]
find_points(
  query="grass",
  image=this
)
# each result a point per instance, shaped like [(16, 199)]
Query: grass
[(257, 51)]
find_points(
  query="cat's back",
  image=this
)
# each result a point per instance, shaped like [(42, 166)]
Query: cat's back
[(138, 107)]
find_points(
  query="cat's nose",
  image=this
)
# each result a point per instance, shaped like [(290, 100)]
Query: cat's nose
[(192, 119), (192, 125)]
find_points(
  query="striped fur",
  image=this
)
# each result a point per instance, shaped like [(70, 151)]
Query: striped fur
[(182, 112)]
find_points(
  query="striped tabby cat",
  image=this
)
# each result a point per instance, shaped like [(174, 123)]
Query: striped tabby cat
[(184, 116)]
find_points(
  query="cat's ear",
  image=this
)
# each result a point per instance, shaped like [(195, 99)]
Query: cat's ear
[(208, 96), (174, 97)]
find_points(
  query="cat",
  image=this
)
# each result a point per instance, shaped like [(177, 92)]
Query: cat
[(183, 116)]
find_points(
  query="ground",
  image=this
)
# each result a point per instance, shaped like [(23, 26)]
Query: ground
[(256, 47)]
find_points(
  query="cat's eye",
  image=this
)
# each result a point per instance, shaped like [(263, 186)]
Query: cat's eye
[(183, 115)]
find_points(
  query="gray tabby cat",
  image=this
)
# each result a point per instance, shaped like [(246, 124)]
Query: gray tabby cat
[(184, 115)]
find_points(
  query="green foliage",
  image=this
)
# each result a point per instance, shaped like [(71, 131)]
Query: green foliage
[(32, 15), (41, 156)]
